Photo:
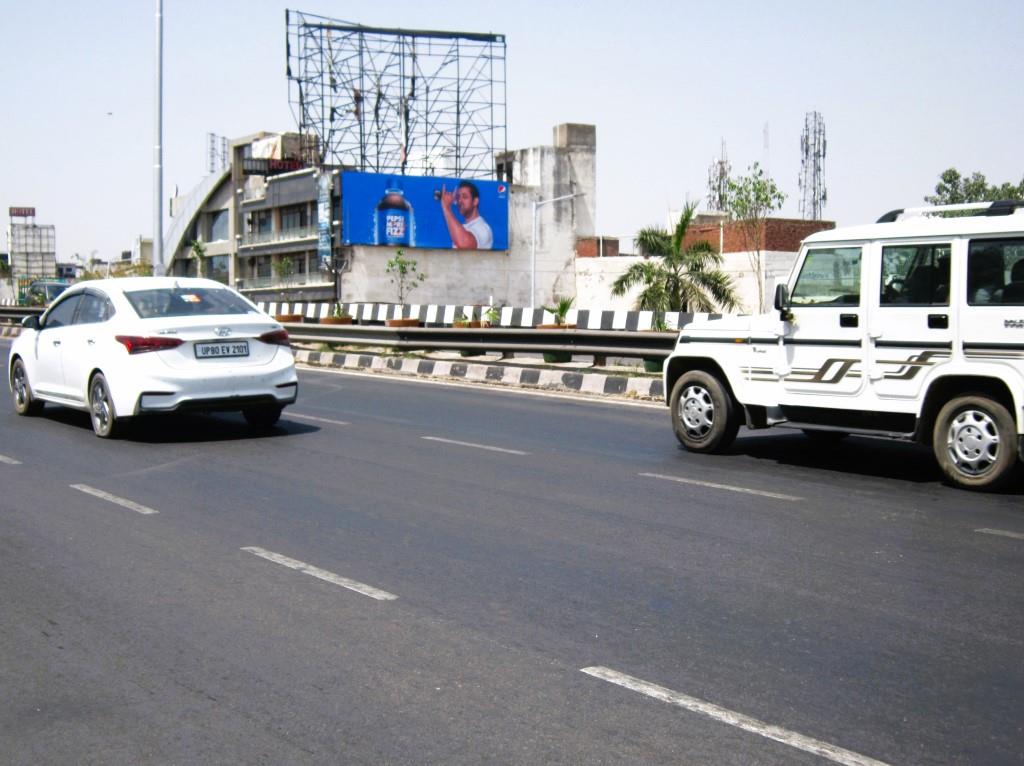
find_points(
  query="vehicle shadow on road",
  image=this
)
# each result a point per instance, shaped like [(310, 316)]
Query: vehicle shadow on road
[(185, 428), (854, 455)]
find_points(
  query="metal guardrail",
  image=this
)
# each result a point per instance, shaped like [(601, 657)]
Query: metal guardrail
[(639, 345), (14, 314)]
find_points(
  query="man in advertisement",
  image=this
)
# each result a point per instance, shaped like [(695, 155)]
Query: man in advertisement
[(473, 232)]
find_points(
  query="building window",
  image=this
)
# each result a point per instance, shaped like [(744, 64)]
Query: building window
[(217, 268), (261, 222), (294, 217), (262, 266), (218, 226)]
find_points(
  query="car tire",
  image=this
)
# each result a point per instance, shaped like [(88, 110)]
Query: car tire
[(21, 390), (105, 422), (705, 417), (262, 417), (975, 442)]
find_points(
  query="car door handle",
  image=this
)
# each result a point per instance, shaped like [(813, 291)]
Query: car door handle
[(56, 343), (91, 342), (848, 320), (938, 321)]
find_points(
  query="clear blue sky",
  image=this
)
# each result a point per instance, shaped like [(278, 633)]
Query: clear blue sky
[(906, 89)]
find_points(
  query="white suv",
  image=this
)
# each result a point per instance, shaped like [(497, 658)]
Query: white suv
[(910, 328)]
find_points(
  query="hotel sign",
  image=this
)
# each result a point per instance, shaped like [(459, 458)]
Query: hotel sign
[(21, 212)]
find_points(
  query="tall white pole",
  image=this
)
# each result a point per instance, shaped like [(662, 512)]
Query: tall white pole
[(158, 149), (533, 257), (533, 240)]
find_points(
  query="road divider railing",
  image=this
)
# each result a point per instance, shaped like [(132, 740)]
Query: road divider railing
[(598, 343)]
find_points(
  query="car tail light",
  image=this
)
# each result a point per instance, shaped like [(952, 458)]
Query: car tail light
[(140, 344), (275, 337)]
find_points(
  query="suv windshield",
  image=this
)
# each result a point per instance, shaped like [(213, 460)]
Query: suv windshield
[(180, 301)]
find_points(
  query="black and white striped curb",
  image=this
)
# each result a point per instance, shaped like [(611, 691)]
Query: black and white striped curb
[(437, 314), (568, 381)]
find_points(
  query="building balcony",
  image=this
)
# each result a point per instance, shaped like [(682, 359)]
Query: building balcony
[(275, 282), (258, 238)]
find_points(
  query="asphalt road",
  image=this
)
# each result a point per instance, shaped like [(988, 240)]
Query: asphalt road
[(414, 573)]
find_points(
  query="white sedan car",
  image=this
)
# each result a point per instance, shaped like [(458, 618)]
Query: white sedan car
[(118, 348)]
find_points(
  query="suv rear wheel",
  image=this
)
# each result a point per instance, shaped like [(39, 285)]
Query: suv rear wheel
[(704, 415), (975, 442)]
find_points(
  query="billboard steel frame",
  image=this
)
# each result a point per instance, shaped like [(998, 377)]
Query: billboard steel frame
[(400, 101)]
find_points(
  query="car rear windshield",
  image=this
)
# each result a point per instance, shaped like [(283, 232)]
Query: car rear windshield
[(181, 301)]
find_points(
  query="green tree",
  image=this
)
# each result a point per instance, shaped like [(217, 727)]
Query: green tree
[(750, 199), (404, 274), (197, 252), (679, 278), (955, 189)]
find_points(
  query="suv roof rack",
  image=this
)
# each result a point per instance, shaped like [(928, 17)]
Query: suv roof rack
[(999, 207)]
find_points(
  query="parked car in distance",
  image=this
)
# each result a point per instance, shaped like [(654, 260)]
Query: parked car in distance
[(119, 348), (43, 292)]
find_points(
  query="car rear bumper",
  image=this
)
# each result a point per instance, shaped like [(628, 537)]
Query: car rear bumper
[(169, 393)]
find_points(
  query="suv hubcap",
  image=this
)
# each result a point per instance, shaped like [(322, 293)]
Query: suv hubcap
[(973, 442), (697, 411)]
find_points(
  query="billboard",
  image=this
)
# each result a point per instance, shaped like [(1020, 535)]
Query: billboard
[(423, 211)]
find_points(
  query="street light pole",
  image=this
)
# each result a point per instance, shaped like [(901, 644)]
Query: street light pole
[(533, 240), (158, 149)]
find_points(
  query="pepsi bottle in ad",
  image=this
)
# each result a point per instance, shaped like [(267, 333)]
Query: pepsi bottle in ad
[(394, 218)]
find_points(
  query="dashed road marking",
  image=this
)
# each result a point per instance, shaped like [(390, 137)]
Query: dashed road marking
[(474, 446), (1001, 533), (319, 420), (727, 487), (9, 460), (322, 574), (129, 504), (732, 718)]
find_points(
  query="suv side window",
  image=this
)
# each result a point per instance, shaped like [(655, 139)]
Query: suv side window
[(62, 313), (829, 277), (995, 272), (915, 275)]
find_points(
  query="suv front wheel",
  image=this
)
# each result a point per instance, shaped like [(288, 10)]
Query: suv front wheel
[(975, 442), (704, 415)]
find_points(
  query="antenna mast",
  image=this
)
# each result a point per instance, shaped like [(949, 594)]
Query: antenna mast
[(813, 194)]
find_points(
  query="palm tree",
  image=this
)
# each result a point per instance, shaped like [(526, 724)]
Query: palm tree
[(678, 280)]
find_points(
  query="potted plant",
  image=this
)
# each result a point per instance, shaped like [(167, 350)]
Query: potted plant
[(406, 277), (492, 316), (560, 311), (338, 315), (464, 321)]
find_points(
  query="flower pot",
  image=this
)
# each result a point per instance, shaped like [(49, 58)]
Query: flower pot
[(408, 322), (467, 323), (336, 320), (288, 317), (554, 327)]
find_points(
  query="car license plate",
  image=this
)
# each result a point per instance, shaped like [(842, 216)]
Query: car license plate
[(222, 350)]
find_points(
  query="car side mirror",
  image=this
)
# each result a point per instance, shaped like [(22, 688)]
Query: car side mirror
[(782, 303), (30, 322)]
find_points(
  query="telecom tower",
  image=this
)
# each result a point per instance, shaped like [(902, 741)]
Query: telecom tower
[(813, 194), (718, 181), (395, 100)]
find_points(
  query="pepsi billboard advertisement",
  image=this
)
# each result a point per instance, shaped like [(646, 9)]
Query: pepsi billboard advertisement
[(423, 211)]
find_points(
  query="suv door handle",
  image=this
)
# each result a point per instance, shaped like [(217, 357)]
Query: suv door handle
[(938, 321), (848, 320)]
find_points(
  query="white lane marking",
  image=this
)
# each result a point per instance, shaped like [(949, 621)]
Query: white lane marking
[(1001, 533), (322, 574), (728, 487), (9, 460), (474, 446), (740, 721), (319, 420), (114, 499)]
